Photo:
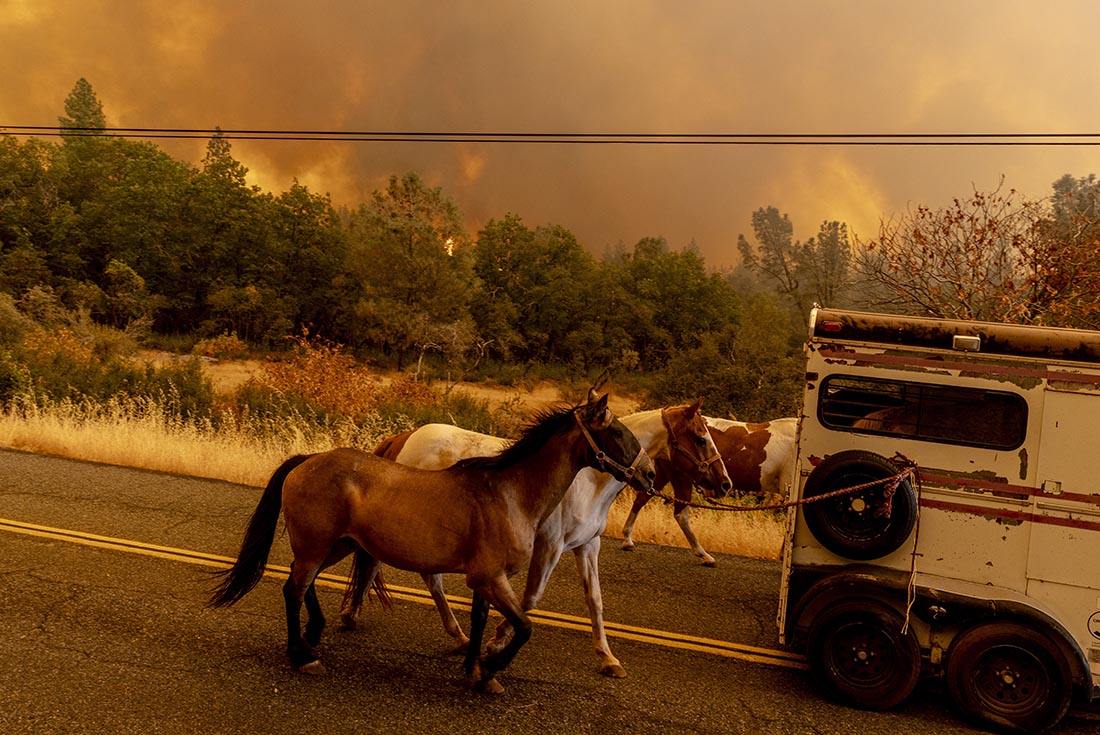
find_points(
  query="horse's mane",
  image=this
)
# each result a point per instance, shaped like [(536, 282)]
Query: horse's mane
[(544, 425)]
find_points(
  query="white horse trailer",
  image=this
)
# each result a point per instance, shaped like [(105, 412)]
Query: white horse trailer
[(983, 567)]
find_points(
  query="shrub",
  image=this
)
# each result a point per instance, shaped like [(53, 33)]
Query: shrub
[(63, 365), (15, 379), (322, 374), (226, 346), (14, 325)]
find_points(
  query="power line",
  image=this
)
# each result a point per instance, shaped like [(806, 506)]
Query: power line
[(561, 138)]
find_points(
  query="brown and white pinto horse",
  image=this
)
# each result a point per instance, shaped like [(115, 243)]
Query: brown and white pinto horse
[(479, 517), (758, 456), (677, 435)]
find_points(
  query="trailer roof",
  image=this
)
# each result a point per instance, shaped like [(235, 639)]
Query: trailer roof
[(1078, 345)]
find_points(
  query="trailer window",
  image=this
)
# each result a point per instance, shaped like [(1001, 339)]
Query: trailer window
[(924, 411)]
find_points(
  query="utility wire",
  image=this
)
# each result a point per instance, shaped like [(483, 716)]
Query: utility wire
[(727, 139)]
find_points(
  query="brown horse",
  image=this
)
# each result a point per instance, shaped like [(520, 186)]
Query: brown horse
[(478, 517), (758, 456), (677, 435)]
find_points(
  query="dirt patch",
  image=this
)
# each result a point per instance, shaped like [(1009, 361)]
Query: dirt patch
[(225, 375), (542, 395), (228, 375)]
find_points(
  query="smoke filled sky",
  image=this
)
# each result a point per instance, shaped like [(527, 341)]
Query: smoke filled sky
[(590, 66)]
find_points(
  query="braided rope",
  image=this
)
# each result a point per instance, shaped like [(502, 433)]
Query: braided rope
[(891, 482)]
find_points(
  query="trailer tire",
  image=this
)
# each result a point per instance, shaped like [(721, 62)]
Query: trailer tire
[(852, 525), (858, 653), (1009, 675)]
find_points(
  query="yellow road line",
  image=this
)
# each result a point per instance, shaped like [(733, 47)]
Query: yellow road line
[(560, 620)]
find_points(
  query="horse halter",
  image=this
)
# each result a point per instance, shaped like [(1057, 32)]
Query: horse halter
[(604, 461), (674, 442)]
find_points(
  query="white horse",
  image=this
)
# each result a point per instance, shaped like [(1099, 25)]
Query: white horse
[(758, 456), (678, 435)]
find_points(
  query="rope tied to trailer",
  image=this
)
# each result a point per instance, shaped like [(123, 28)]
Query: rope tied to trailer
[(909, 469)]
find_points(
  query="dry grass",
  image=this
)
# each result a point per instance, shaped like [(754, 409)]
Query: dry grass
[(141, 433), (754, 534)]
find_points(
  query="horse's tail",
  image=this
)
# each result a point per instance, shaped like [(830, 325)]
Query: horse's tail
[(361, 563), (382, 591), (248, 570)]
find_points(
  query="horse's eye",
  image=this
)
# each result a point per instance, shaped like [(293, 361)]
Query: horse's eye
[(700, 441)]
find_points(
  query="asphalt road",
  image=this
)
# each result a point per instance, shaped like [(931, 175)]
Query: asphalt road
[(104, 574)]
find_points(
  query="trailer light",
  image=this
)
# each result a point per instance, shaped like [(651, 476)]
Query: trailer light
[(966, 343)]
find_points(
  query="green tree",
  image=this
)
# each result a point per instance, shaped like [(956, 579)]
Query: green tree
[(752, 372), (774, 254), (823, 267), (126, 297), (84, 166), (537, 297), (803, 272), (28, 203), (308, 251), (410, 257), (222, 240), (496, 307), (676, 301), (83, 113)]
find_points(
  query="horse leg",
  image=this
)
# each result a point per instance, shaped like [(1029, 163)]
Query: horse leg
[(295, 590), (479, 615), (544, 558), (315, 618), (434, 583), (680, 508), (640, 499), (504, 599), (588, 567)]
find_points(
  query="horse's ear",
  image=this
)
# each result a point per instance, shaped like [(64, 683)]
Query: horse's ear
[(596, 413), (593, 396), (695, 407), (602, 403), (602, 380)]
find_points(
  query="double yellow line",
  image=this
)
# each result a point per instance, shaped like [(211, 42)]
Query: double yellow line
[(667, 639)]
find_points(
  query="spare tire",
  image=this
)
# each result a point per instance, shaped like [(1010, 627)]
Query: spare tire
[(860, 525)]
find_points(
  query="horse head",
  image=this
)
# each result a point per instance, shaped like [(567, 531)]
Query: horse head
[(614, 448), (692, 449)]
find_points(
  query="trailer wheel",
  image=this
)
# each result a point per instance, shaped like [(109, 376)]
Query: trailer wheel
[(1009, 675), (856, 525), (858, 653)]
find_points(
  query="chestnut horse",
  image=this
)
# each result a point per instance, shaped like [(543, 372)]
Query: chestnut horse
[(678, 436), (759, 458), (479, 517)]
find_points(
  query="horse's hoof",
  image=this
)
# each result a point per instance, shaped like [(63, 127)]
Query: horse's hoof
[(349, 622), (489, 686), (313, 668), (627, 547), (709, 562), (615, 671)]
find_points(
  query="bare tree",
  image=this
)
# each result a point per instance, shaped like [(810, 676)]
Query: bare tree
[(967, 261)]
